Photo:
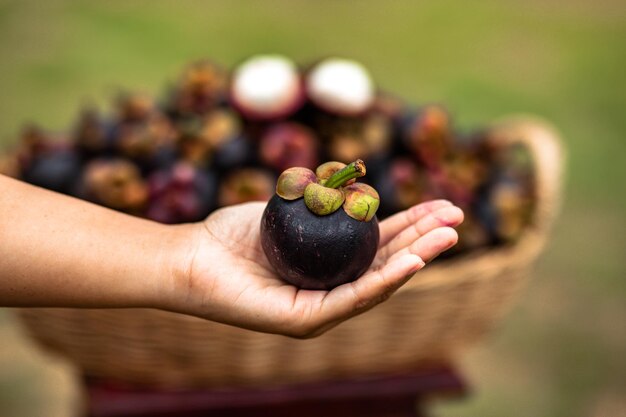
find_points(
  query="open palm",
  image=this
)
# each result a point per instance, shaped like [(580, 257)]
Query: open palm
[(230, 280)]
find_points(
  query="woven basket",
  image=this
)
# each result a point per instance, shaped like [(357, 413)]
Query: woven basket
[(436, 315)]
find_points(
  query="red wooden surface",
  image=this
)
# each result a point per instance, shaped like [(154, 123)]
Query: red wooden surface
[(388, 396)]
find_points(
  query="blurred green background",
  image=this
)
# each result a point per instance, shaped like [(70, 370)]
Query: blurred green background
[(562, 350)]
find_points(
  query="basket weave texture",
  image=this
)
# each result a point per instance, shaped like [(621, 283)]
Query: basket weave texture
[(434, 317)]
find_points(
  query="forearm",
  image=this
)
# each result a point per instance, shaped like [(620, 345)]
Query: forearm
[(59, 251)]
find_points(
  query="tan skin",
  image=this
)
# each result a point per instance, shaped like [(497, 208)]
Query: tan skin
[(59, 251)]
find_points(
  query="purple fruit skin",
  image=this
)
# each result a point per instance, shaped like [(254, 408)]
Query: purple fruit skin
[(316, 252)]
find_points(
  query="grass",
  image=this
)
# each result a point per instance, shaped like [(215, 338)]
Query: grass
[(560, 351)]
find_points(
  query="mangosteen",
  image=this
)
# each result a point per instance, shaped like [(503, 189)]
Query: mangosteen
[(219, 126), (190, 142), (266, 87), (512, 204), (401, 185), (368, 136), (244, 185), (430, 136), (460, 177), (182, 193), (147, 142), (91, 134), (237, 152), (229, 147), (115, 183), (201, 87), (340, 86), (320, 229), (200, 137), (56, 169), (345, 147), (33, 142), (289, 144), (133, 107)]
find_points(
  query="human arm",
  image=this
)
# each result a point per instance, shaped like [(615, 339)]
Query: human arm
[(60, 251)]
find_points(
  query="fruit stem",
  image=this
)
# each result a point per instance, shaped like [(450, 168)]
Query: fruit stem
[(352, 170)]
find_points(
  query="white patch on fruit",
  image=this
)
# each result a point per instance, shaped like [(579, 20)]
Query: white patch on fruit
[(341, 85), (266, 84)]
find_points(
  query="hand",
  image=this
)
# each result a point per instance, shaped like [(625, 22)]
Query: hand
[(227, 277)]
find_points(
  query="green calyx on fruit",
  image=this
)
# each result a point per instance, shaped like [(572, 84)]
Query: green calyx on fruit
[(362, 201), (329, 188), (322, 200), (293, 181)]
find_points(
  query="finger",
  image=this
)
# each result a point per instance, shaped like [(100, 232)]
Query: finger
[(430, 245), (393, 225), (450, 216), (372, 288)]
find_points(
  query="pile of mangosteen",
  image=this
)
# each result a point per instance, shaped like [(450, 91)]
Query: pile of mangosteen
[(218, 138)]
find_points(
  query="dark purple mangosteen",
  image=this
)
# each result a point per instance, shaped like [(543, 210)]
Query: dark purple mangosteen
[(429, 135), (92, 135), (57, 170), (150, 143), (201, 88), (512, 203), (229, 148), (246, 184), (200, 137), (345, 147), (459, 178), (114, 183), (289, 144), (368, 137), (320, 229), (48, 161), (133, 107), (234, 153), (182, 193), (401, 185), (33, 141)]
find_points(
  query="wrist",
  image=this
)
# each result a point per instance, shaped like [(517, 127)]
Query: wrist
[(181, 243)]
